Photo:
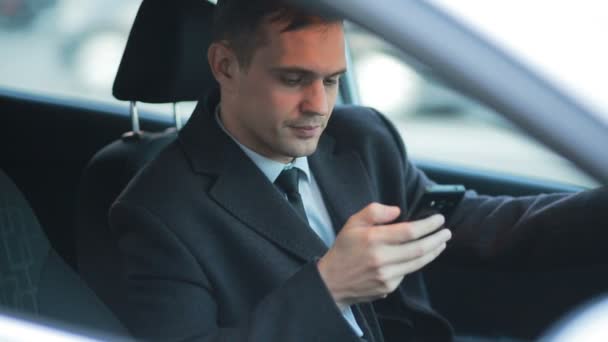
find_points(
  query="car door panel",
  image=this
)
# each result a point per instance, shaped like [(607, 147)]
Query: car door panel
[(489, 182)]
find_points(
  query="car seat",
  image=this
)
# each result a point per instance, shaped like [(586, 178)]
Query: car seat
[(164, 62), (34, 279)]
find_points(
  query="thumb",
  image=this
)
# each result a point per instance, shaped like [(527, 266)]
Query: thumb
[(375, 213)]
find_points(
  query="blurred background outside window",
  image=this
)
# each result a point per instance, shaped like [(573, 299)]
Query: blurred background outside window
[(72, 48)]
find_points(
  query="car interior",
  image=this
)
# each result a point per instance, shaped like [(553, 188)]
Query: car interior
[(63, 163)]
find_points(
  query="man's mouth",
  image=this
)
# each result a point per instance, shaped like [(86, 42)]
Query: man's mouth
[(306, 131)]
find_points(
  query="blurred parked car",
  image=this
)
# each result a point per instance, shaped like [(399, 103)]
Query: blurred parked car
[(16, 14)]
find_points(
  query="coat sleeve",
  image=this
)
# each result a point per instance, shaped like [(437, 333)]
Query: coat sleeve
[(534, 232), (169, 298), (546, 231)]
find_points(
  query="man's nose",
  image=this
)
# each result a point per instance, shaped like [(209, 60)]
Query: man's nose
[(315, 99)]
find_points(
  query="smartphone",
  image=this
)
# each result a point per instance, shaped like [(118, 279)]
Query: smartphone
[(437, 199)]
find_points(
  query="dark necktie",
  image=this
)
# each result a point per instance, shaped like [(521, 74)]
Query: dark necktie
[(288, 183)]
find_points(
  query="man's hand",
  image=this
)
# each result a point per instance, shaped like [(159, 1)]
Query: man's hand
[(370, 258)]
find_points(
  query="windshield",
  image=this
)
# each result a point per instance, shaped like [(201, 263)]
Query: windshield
[(564, 41)]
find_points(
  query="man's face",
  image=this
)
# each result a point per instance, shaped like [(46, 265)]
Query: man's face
[(281, 103)]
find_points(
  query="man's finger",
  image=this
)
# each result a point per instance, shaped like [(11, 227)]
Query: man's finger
[(400, 233), (374, 214), (404, 268), (393, 254)]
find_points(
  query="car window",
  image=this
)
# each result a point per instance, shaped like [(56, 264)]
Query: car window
[(67, 48), (439, 124), (71, 48), (554, 38)]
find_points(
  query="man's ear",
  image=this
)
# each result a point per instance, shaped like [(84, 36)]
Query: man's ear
[(224, 65)]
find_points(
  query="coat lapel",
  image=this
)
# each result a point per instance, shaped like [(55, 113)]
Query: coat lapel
[(342, 179), (242, 189), (249, 196)]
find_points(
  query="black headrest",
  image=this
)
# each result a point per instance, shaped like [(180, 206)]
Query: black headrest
[(165, 59)]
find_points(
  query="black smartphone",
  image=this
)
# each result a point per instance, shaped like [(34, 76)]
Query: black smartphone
[(437, 199)]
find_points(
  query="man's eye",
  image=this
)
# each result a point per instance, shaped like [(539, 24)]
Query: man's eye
[(291, 80), (331, 81)]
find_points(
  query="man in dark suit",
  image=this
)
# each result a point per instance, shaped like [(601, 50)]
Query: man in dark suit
[(267, 221)]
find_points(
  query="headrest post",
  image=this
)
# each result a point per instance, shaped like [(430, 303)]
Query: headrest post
[(134, 116), (177, 117)]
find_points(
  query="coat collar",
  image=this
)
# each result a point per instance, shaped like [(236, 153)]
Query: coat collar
[(244, 191)]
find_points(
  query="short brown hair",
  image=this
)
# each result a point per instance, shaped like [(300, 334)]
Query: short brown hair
[(238, 22)]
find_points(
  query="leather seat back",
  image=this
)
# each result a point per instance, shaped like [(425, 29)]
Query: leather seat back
[(103, 179), (34, 279)]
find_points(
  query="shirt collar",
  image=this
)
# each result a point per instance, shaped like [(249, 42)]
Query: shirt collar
[(271, 168)]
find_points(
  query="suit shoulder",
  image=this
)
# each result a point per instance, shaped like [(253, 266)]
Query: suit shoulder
[(356, 117), (361, 123), (157, 178)]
